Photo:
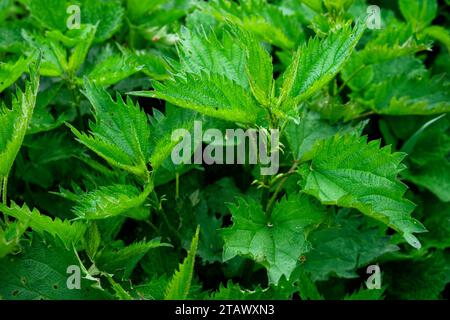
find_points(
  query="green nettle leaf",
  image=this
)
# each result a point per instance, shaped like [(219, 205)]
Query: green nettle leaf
[(114, 69), (40, 272), (124, 259), (53, 15), (153, 65), (114, 200), (80, 40), (378, 64), (14, 122), (180, 284), (259, 68), (419, 13), (309, 129), (218, 77), (107, 13), (403, 95), (54, 55), (276, 242), (120, 134), (270, 23), (219, 56), (10, 237), (162, 127), (10, 72), (349, 172), (11, 40), (344, 246), (212, 95), (49, 14), (316, 63), (69, 232)]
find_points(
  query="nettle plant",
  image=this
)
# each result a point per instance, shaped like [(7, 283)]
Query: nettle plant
[(94, 207)]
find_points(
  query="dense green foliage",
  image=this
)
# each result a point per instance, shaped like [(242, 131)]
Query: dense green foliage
[(86, 175)]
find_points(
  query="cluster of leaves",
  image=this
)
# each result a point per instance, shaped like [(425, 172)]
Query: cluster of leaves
[(86, 122)]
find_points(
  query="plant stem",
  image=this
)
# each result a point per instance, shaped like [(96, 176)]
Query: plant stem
[(279, 188), (363, 115), (162, 213), (265, 193), (4, 189), (177, 185)]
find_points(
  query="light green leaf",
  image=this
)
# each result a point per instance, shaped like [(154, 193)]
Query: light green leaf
[(153, 65), (114, 69), (123, 260), (14, 122), (349, 172), (10, 72), (114, 200), (276, 242), (120, 133), (107, 13), (268, 22), (179, 285), (10, 237), (212, 95), (202, 52), (162, 127), (259, 68), (316, 63), (50, 14), (54, 55), (69, 232), (419, 13), (371, 66), (402, 95), (309, 129)]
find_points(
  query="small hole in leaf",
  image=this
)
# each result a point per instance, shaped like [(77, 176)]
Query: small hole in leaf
[(55, 286), (15, 293)]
